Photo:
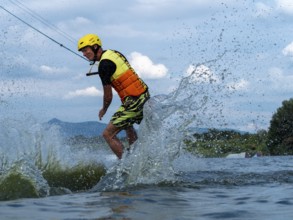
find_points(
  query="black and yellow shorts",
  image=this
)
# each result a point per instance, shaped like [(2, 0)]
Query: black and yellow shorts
[(131, 111)]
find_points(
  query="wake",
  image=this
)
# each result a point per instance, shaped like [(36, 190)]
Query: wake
[(197, 102)]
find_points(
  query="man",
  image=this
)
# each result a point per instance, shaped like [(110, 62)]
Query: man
[(115, 71)]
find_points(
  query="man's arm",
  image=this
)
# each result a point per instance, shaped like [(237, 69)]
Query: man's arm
[(108, 95)]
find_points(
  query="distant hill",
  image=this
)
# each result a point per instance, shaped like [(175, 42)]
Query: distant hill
[(93, 128), (86, 129)]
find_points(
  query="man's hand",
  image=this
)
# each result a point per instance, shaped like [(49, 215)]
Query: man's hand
[(102, 113), (107, 100)]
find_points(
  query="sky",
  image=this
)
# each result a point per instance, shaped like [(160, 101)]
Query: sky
[(249, 43)]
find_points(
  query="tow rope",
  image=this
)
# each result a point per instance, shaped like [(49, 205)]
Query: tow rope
[(61, 45)]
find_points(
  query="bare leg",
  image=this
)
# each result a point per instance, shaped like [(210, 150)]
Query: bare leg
[(131, 135), (110, 136)]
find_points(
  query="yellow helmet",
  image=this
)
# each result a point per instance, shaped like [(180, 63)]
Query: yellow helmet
[(88, 40)]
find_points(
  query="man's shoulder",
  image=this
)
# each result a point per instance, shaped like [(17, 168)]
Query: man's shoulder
[(112, 55), (109, 51)]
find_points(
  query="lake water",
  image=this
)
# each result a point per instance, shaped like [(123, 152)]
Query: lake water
[(158, 179), (242, 188)]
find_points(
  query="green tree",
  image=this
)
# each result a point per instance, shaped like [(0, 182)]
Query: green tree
[(220, 143), (280, 134)]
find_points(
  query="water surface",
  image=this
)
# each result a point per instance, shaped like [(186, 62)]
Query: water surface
[(247, 188)]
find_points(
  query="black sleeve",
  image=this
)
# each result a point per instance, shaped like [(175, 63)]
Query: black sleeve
[(106, 69)]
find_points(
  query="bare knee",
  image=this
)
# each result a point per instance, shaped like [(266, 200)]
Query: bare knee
[(106, 135), (110, 132)]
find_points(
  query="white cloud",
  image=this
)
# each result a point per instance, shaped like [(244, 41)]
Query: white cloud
[(266, 8), (280, 80), (56, 5), (53, 70), (90, 91), (69, 26), (288, 50), (242, 84), (285, 5), (201, 73), (80, 21), (155, 5), (263, 10), (117, 29), (145, 67)]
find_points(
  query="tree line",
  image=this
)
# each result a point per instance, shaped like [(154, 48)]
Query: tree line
[(278, 140)]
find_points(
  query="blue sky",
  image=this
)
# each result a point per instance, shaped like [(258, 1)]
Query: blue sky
[(251, 41)]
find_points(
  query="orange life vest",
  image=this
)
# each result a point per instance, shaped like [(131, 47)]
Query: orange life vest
[(124, 80)]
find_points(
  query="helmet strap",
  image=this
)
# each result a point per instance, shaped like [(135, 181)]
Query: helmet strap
[(95, 49)]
